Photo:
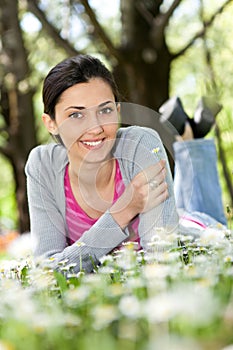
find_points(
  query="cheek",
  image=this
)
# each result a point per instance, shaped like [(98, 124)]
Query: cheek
[(69, 132), (111, 129)]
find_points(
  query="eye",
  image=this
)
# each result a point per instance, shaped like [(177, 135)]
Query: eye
[(106, 110), (77, 115)]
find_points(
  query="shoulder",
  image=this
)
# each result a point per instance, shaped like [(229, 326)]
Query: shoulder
[(138, 148), (129, 138), (51, 155), (137, 132)]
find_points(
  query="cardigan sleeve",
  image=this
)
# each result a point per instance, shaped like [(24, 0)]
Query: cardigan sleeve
[(142, 148), (48, 226)]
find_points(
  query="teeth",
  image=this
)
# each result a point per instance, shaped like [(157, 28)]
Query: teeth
[(93, 143)]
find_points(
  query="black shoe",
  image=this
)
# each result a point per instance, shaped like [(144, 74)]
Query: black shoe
[(172, 113), (204, 116)]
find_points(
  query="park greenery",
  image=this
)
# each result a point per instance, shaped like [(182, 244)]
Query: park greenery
[(188, 42), (177, 294)]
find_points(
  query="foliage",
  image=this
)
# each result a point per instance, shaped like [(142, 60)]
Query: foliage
[(189, 74), (177, 295), (7, 198)]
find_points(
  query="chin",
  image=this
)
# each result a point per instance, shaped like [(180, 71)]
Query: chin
[(97, 158)]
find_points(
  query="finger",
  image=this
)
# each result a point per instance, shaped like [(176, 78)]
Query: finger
[(156, 197), (157, 180), (160, 178), (161, 198), (153, 184), (157, 189), (157, 172), (155, 169), (163, 187), (149, 173)]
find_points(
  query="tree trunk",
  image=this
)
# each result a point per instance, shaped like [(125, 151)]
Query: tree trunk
[(16, 103), (144, 76)]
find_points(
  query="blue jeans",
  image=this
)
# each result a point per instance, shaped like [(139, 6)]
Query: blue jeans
[(196, 181)]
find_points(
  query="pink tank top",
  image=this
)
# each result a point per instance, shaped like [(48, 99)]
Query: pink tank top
[(78, 221)]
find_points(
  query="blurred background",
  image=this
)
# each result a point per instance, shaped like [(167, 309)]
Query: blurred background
[(156, 49)]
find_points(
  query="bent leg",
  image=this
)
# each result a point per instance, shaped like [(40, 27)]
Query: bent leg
[(196, 181)]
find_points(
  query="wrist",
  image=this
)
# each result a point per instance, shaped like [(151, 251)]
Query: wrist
[(122, 216)]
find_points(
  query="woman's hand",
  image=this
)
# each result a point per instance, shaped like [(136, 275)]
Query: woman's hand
[(147, 190)]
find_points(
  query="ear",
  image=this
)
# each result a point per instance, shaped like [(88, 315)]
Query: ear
[(118, 106), (50, 124)]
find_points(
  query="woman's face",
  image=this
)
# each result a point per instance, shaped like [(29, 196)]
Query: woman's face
[(87, 120)]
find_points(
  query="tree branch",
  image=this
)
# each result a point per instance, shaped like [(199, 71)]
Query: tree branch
[(163, 18), (201, 33), (51, 30), (142, 9), (167, 15), (100, 31), (157, 23)]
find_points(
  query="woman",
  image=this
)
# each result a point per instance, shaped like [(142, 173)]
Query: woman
[(101, 185)]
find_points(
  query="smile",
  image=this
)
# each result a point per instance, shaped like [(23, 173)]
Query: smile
[(92, 144)]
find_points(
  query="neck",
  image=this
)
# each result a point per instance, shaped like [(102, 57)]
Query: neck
[(93, 175)]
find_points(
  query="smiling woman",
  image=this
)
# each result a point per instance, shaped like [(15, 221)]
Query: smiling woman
[(93, 191), (103, 185)]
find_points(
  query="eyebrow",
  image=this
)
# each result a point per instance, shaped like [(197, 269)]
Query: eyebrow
[(81, 107)]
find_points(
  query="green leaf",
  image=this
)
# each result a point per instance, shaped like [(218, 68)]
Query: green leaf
[(61, 281)]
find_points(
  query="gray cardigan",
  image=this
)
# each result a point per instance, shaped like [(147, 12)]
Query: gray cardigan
[(45, 188)]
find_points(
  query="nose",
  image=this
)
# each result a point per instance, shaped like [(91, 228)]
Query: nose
[(94, 126)]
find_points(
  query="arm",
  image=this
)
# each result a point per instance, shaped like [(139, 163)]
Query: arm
[(136, 153), (147, 190), (165, 215), (47, 215)]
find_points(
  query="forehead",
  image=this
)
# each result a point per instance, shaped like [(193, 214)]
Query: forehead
[(91, 93)]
